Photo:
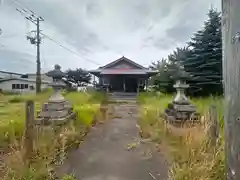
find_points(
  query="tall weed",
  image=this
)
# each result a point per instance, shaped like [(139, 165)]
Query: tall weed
[(187, 149), (51, 144)]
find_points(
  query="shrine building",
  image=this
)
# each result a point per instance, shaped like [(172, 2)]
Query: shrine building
[(123, 75)]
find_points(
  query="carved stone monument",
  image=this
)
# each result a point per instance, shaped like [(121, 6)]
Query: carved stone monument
[(180, 110), (57, 110)]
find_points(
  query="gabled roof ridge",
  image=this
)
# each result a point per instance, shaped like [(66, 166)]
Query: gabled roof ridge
[(120, 59)]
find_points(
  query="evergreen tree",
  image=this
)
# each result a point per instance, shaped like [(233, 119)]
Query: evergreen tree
[(177, 58), (204, 62), (167, 68), (162, 81)]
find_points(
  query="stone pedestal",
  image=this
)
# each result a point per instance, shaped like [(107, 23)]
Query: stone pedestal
[(57, 110), (55, 113), (180, 110)]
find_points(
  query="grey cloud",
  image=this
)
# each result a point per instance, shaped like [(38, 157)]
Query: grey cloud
[(164, 43), (130, 15), (189, 20), (159, 43), (91, 39), (93, 10), (68, 19), (16, 61), (103, 30), (181, 32)]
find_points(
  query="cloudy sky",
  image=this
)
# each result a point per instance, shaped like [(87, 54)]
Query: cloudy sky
[(96, 32)]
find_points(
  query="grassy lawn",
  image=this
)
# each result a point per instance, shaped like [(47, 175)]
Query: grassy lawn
[(51, 143), (190, 157)]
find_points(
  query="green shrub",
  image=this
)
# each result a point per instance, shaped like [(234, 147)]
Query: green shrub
[(10, 93), (11, 131), (68, 177), (28, 174), (97, 97), (47, 90), (16, 99), (85, 113), (77, 98)]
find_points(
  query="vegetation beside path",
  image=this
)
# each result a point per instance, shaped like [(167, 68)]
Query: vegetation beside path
[(51, 143), (187, 149)]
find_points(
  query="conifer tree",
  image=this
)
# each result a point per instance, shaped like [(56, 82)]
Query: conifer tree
[(204, 62)]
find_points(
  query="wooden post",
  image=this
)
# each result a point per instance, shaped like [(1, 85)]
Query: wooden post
[(213, 131), (28, 138), (124, 84), (138, 86), (231, 75), (94, 81), (103, 110), (147, 84)]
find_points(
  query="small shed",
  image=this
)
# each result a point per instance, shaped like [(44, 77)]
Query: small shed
[(123, 75)]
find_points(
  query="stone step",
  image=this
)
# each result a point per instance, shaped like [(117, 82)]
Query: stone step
[(121, 96)]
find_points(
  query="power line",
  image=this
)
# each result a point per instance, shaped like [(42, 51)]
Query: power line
[(78, 54), (34, 38), (30, 15), (24, 8), (21, 3), (26, 12)]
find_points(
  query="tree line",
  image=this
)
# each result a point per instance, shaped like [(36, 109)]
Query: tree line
[(201, 58)]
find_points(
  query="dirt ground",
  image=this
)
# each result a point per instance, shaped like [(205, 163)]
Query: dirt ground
[(114, 151)]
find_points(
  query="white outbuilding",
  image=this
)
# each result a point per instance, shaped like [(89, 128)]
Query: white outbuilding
[(21, 85)]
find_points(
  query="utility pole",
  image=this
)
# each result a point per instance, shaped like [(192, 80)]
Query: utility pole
[(231, 77), (38, 74), (35, 39)]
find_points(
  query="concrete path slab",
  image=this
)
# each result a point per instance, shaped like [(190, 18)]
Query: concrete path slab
[(114, 151)]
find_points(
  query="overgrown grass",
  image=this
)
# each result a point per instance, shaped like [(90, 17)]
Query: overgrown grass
[(203, 105), (189, 154), (12, 116), (51, 143)]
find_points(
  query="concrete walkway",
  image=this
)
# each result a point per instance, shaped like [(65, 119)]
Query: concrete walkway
[(114, 151)]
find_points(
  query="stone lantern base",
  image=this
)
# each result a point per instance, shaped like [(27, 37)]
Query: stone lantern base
[(55, 112), (180, 112)]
